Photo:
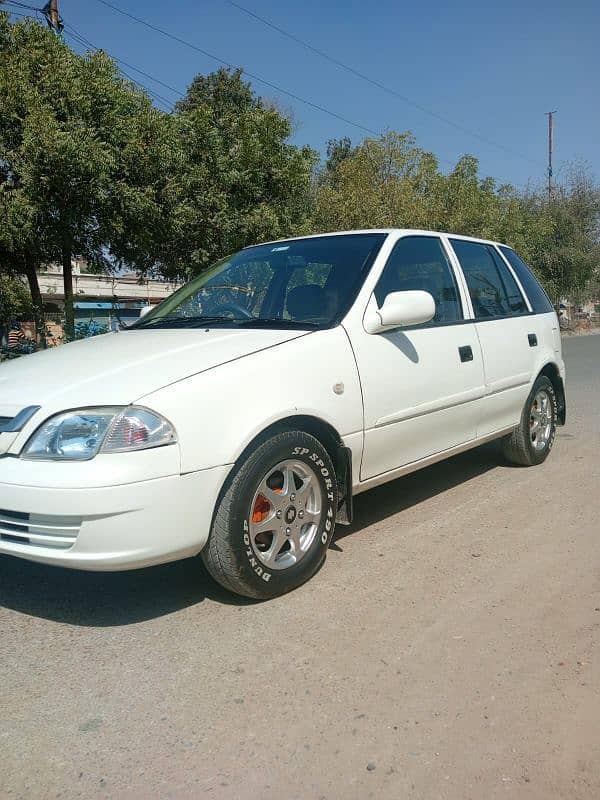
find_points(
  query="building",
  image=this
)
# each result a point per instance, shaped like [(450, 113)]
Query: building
[(105, 299)]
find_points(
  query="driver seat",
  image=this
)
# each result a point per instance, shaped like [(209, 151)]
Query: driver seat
[(307, 302)]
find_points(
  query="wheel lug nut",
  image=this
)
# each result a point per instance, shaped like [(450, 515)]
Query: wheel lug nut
[(288, 531), (279, 515), (301, 514), (292, 497)]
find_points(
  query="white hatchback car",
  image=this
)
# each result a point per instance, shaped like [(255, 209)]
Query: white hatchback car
[(239, 417)]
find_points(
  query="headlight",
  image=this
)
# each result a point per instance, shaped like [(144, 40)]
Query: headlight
[(82, 434)]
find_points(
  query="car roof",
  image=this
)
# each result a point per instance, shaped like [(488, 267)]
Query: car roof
[(405, 231)]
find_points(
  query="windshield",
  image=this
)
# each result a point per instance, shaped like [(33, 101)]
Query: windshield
[(300, 283)]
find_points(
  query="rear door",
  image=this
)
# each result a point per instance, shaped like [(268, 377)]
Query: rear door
[(506, 329)]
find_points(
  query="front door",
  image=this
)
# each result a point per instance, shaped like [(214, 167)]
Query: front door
[(421, 385)]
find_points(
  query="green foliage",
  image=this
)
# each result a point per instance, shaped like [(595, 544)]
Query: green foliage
[(15, 302), (82, 155), (337, 151), (390, 182), (89, 167), (385, 182), (568, 253), (237, 180), (224, 91)]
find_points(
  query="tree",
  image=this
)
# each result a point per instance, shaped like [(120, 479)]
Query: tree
[(569, 256), (384, 182), (82, 155), (224, 91), (337, 151), (237, 180), (15, 302), (560, 237)]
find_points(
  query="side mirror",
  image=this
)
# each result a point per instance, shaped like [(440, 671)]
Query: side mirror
[(399, 310)]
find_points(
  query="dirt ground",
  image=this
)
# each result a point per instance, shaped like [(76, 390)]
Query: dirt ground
[(448, 649)]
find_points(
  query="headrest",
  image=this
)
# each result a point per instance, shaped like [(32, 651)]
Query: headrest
[(307, 302)]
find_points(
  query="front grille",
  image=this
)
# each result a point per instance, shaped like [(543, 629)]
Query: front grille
[(39, 530)]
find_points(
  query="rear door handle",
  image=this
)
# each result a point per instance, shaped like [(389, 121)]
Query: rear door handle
[(465, 352), (532, 339)]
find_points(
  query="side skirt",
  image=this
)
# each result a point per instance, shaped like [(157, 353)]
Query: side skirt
[(384, 477)]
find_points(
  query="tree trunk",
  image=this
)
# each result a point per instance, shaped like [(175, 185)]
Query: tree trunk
[(36, 298), (68, 284)]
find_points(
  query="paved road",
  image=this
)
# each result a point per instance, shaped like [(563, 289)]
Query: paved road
[(448, 649)]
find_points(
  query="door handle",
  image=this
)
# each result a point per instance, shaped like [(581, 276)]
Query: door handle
[(465, 352), (532, 339)]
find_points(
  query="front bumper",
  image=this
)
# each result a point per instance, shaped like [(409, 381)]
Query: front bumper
[(119, 527)]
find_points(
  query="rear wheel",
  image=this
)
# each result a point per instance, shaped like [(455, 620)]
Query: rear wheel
[(275, 519), (530, 443)]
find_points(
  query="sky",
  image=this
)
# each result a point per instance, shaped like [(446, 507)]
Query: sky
[(476, 77)]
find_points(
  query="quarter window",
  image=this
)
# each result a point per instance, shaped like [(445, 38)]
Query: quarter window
[(493, 290), (516, 301), (420, 262), (537, 296)]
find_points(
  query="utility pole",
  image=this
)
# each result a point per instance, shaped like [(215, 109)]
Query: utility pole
[(53, 18), (550, 115)]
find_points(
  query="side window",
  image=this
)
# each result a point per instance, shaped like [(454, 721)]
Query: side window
[(493, 290), (420, 262), (537, 296), (516, 301)]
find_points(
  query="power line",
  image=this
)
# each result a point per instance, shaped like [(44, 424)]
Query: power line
[(16, 14), (22, 5), (249, 74), (376, 83), (126, 64), (77, 37), (86, 43)]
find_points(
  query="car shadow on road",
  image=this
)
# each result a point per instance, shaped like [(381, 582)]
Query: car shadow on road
[(106, 599), (399, 495)]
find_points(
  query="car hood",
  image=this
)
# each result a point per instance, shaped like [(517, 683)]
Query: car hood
[(119, 368)]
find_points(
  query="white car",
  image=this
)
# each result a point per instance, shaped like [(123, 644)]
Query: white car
[(239, 417)]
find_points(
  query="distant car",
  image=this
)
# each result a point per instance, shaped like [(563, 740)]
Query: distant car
[(239, 417)]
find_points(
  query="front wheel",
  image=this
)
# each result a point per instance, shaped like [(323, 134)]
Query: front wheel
[(275, 519), (530, 443)]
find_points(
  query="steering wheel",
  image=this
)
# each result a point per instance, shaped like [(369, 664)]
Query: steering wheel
[(234, 309)]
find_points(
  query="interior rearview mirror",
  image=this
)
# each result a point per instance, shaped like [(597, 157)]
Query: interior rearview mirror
[(399, 310)]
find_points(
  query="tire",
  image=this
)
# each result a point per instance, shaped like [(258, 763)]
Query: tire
[(530, 443), (288, 483)]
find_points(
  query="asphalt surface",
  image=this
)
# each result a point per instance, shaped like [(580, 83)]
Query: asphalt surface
[(448, 649)]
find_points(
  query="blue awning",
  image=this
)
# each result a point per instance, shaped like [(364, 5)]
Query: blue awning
[(95, 305)]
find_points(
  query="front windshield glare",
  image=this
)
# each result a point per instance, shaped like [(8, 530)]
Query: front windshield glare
[(304, 283)]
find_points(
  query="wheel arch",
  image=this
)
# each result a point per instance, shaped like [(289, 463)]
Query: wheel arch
[(551, 371), (341, 456)]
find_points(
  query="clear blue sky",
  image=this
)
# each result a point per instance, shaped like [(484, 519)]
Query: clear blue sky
[(493, 68)]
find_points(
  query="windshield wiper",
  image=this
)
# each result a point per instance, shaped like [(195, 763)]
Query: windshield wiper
[(184, 322), (275, 322)]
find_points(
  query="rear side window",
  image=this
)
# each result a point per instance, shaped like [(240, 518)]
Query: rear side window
[(420, 262), (516, 301), (538, 298), (493, 290)]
